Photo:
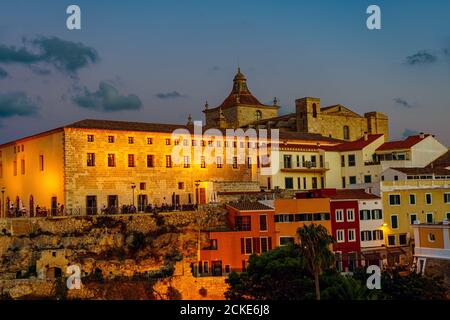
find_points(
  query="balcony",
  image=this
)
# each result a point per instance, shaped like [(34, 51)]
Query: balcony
[(306, 166)]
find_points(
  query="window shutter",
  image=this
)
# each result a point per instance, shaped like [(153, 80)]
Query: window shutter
[(270, 243), (242, 246), (256, 245)]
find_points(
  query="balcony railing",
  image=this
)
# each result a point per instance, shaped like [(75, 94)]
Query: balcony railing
[(306, 165)]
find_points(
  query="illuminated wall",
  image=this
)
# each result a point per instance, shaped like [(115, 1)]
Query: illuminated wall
[(34, 167)]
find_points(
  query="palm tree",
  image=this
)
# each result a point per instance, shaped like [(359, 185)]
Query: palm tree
[(315, 247)]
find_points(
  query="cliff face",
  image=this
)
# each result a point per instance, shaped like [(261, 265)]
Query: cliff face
[(120, 257)]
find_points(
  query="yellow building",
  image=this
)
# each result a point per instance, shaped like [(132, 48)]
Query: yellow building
[(432, 250), (291, 214), (95, 164), (413, 195)]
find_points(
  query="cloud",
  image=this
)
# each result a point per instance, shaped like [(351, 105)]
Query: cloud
[(403, 103), (420, 58), (107, 99), (16, 104), (66, 56), (409, 132), (40, 71), (3, 73), (169, 95)]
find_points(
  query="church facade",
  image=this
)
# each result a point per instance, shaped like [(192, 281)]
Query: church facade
[(242, 109)]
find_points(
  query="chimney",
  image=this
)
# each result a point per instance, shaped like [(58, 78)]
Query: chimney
[(366, 136), (422, 135)]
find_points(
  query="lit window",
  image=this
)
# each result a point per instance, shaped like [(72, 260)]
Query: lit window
[(167, 142), (131, 160), (186, 162), (91, 159), (168, 161), (150, 161), (111, 160)]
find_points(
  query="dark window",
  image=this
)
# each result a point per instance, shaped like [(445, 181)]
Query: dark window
[(130, 140), (412, 199), (248, 246), (394, 222), (446, 197), (391, 240), (41, 162), (287, 161), (286, 240), (342, 161), (289, 183), (263, 223), (412, 218), (167, 142), (368, 179), (343, 182), (131, 160), (150, 161), (394, 199), (91, 159), (243, 223), (428, 199), (90, 138), (235, 165), (352, 180), (219, 162), (142, 186), (181, 185), (149, 140), (346, 133), (402, 239), (264, 245), (110, 139), (314, 182), (111, 160), (351, 160)]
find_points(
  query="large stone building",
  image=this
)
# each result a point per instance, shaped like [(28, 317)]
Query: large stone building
[(242, 109)]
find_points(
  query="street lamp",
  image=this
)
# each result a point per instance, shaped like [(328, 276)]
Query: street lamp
[(133, 186)]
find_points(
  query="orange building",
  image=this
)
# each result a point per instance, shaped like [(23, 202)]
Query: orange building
[(251, 229), (291, 214)]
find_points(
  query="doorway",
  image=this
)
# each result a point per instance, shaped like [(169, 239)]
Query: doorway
[(216, 268), (113, 204), (54, 206), (91, 205), (142, 202)]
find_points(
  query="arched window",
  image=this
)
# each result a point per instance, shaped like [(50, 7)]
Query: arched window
[(258, 115), (314, 110), (346, 133)]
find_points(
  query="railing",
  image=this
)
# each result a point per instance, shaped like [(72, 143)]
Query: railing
[(306, 165), (93, 211), (371, 163)]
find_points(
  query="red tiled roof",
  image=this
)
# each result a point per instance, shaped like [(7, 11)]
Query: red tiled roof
[(441, 162), (402, 144), (427, 170), (244, 98), (249, 206), (342, 194), (353, 145)]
